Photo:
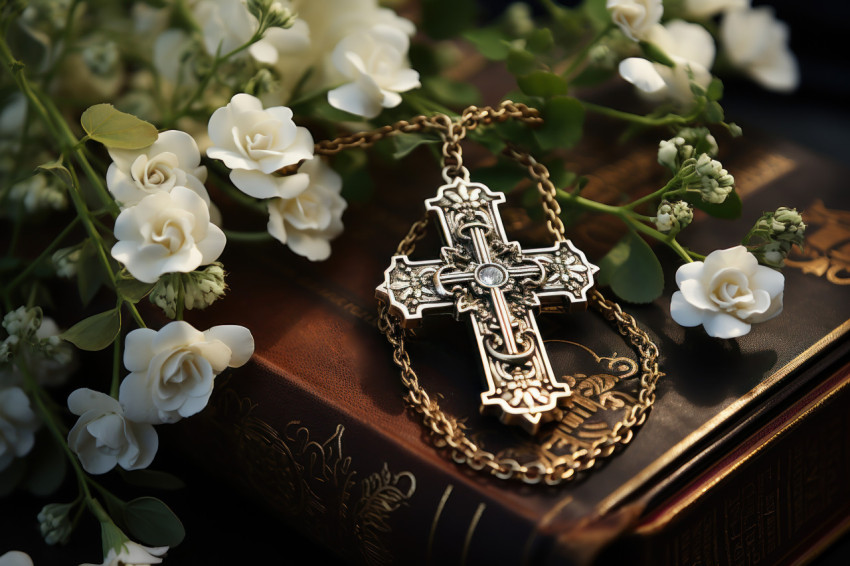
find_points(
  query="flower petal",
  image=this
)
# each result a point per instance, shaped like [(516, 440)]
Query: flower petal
[(642, 74), (683, 312), (237, 338), (722, 325)]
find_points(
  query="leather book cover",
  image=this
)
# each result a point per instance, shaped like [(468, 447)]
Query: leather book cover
[(315, 429)]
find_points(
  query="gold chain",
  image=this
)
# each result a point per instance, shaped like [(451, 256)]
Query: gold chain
[(446, 432)]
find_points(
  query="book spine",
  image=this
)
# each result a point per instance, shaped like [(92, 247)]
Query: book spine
[(777, 499)]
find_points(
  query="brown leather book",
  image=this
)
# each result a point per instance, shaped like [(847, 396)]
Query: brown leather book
[(742, 460)]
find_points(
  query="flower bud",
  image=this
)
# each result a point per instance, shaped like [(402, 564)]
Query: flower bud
[(65, 261), (668, 152), (673, 217), (23, 322), (54, 523), (203, 288), (39, 192), (101, 57)]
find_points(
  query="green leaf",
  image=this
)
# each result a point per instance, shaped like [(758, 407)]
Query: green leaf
[(95, 332), (542, 83), (490, 42), (504, 176), (446, 19), (520, 62), (90, 273), (632, 270), (405, 144), (597, 12), (152, 479), (134, 290), (656, 54), (113, 128), (563, 121), (151, 521), (714, 112), (451, 92), (729, 209), (592, 76), (540, 40), (61, 172), (715, 89)]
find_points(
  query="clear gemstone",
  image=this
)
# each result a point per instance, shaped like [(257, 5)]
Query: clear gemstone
[(491, 276)]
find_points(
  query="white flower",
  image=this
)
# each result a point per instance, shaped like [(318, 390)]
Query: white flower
[(39, 192), (172, 370), (700, 9), (18, 424), (635, 18), (306, 223), (166, 233), (757, 43), (374, 61), (255, 142), (16, 558), (103, 437), (690, 47), (133, 554), (172, 52), (172, 160), (726, 293)]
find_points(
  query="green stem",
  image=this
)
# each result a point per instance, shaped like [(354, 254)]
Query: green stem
[(581, 56), (47, 251), (668, 120), (236, 236), (654, 195), (683, 253)]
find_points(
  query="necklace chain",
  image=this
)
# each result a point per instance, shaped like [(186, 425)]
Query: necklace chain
[(446, 432)]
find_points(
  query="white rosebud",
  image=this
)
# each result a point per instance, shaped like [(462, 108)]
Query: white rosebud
[(54, 523), (373, 62), (308, 222), (103, 437), (16, 558), (757, 43), (133, 554), (173, 160), (635, 18), (18, 424), (255, 142), (701, 9), (172, 370), (668, 152), (166, 233), (691, 48), (726, 293)]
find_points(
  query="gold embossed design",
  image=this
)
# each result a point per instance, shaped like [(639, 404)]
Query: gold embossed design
[(312, 482), (827, 249), (604, 389)]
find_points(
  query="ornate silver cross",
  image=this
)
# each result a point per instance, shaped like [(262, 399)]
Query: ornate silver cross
[(497, 283)]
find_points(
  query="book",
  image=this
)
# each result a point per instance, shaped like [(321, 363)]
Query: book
[(740, 461)]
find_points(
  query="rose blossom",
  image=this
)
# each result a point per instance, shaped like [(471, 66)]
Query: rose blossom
[(18, 424), (374, 62), (172, 160), (255, 142), (635, 18), (707, 8), (757, 43), (692, 50), (306, 223), (172, 370), (726, 293), (166, 233), (16, 558), (133, 554), (103, 437)]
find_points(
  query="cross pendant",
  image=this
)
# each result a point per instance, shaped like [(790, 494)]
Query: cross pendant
[(496, 284)]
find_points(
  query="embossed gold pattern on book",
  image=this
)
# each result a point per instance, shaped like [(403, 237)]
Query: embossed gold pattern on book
[(827, 247), (313, 482)]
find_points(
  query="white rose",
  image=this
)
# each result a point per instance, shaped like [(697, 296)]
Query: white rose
[(18, 424), (757, 43), (172, 160), (700, 9), (172, 370), (16, 558), (103, 437), (308, 222), (691, 48), (726, 293), (166, 233), (133, 554), (635, 17), (374, 61), (255, 142)]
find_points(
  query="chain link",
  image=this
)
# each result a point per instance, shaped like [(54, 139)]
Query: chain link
[(446, 432)]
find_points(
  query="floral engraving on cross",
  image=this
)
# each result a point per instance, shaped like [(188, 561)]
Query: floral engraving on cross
[(497, 285)]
